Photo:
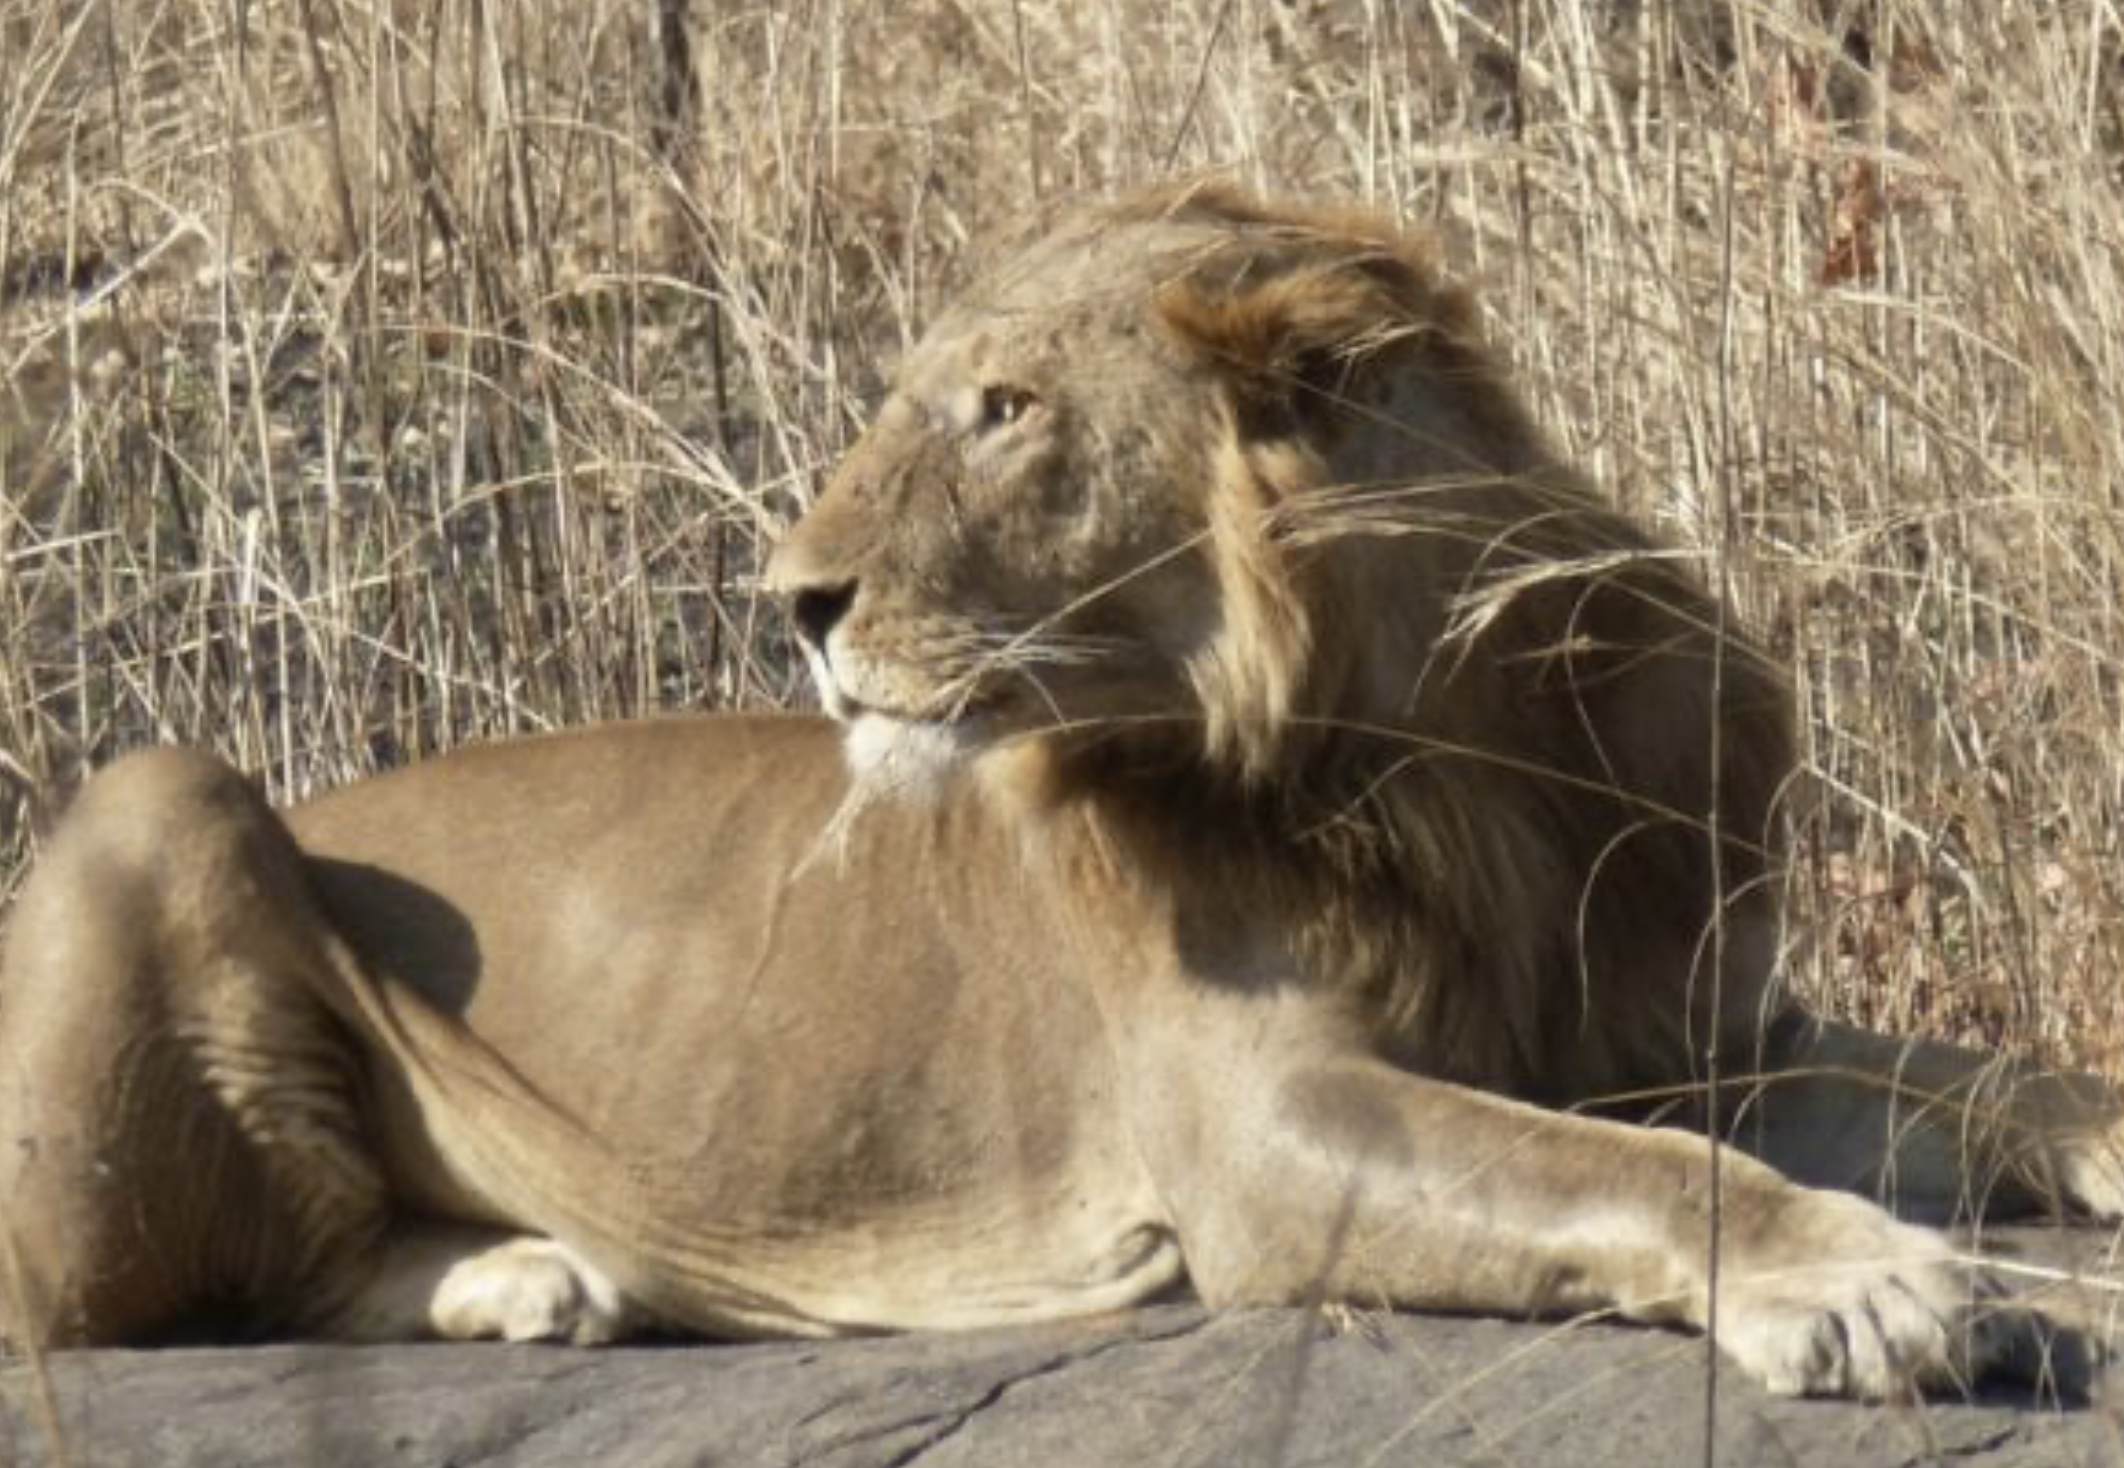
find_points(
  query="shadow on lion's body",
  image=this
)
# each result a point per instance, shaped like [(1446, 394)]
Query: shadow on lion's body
[(1279, 786)]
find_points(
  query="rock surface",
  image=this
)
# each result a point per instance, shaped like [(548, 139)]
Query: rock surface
[(1171, 1386)]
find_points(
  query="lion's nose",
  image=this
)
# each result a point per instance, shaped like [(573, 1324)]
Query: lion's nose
[(817, 609)]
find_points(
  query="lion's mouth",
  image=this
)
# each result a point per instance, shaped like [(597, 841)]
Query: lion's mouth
[(958, 708), (844, 700), (966, 715)]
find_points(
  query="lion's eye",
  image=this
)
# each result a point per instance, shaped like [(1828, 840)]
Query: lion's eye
[(1002, 405)]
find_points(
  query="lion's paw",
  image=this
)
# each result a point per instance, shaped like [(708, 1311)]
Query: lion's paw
[(2067, 1143), (528, 1290), (2090, 1175), (1842, 1300)]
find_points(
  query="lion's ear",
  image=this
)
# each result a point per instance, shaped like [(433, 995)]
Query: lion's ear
[(1303, 344)]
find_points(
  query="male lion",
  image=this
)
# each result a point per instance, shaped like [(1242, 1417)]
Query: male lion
[(1284, 801)]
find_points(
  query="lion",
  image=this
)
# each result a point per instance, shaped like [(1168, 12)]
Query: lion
[(1277, 832)]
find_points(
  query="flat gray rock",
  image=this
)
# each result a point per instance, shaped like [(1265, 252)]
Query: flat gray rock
[(1171, 1386)]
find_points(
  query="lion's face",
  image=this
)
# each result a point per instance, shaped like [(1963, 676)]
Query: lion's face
[(1078, 514), (1014, 545)]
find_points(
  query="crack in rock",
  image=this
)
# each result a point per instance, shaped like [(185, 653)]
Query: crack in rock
[(951, 1421)]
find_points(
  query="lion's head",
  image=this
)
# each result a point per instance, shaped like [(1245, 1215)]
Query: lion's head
[(1196, 483), (1095, 501)]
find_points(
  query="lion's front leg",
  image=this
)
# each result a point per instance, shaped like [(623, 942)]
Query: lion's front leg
[(1934, 1131), (1346, 1179)]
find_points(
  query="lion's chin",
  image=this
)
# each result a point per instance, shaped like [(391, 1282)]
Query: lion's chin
[(905, 758)]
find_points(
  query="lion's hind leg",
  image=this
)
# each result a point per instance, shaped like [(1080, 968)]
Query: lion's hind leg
[(464, 1283), (179, 1131)]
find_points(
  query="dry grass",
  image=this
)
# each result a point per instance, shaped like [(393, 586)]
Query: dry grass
[(382, 375)]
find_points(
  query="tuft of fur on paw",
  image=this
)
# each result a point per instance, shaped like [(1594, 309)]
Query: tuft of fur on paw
[(528, 1290)]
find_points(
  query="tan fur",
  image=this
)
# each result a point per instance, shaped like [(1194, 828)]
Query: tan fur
[(1286, 803)]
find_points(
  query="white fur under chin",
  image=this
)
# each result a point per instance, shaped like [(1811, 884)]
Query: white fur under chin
[(888, 760), (901, 759)]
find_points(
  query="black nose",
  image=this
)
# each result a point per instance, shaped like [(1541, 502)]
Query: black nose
[(816, 609)]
